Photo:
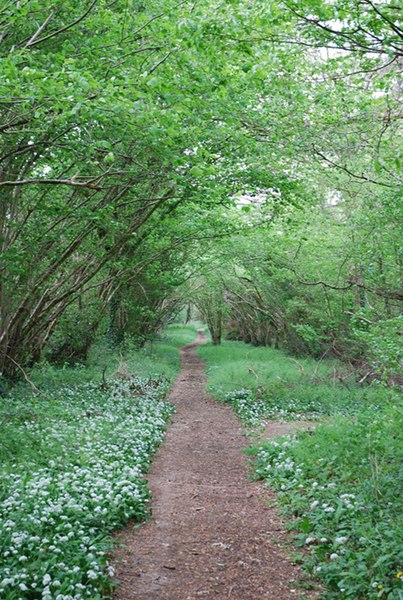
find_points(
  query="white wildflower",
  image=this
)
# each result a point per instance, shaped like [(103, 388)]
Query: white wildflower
[(92, 574), (341, 540)]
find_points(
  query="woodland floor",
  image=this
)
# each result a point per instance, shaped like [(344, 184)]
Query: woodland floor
[(212, 533)]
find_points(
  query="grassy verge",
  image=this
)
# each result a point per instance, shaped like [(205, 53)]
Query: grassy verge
[(73, 460), (340, 485)]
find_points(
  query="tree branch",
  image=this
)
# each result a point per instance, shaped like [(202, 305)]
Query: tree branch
[(65, 28), (346, 170), (72, 182), (40, 29), (27, 379)]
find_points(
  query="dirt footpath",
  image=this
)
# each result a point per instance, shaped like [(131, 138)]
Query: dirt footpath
[(212, 534)]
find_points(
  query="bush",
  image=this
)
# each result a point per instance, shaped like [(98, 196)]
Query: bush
[(383, 343)]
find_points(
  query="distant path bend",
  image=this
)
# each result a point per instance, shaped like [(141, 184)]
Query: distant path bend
[(212, 534)]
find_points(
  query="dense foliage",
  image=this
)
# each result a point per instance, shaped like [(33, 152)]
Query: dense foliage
[(129, 129), (102, 163), (322, 281)]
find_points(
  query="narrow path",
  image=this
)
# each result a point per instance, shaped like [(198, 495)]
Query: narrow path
[(212, 534)]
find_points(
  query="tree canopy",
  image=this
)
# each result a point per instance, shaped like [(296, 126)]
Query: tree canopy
[(242, 156)]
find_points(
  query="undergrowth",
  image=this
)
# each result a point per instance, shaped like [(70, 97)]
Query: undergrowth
[(264, 383), (73, 459), (340, 485), (343, 485)]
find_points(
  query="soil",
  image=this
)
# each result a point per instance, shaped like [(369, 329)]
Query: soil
[(274, 429), (213, 533)]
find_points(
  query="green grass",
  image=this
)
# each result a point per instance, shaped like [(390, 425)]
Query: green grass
[(158, 358), (264, 383), (234, 365), (340, 486), (72, 464)]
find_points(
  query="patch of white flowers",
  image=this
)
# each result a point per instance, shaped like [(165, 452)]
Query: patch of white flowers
[(54, 519), (255, 411), (276, 463)]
